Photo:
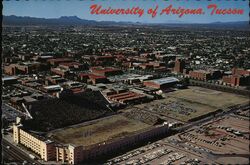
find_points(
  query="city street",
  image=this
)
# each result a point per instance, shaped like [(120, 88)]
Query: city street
[(15, 153)]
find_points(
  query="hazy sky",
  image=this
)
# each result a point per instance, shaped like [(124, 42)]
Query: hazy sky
[(80, 8)]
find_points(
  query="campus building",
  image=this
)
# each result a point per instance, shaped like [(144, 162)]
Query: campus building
[(105, 71), (239, 77), (22, 68), (179, 66), (39, 145), (200, 75), (236, 80), (75, 151), (161, 83)]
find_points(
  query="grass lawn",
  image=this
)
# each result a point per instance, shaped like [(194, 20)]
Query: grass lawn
[(116, 126)]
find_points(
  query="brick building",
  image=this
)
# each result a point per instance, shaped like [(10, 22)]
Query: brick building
[(22, 68), (240, 71), (239, 77), (39, 145), (200, 75), (179, 65), (72, 66), (57, 61), (105, 71), (236, 80), (161, 83)]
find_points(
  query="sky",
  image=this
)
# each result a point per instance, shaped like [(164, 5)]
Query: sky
[(81, 9)]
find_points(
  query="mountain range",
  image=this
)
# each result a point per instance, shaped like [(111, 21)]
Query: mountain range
[(64, 20), (74, 20)]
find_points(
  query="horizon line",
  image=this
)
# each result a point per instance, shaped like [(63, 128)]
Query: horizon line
[(169, 21)]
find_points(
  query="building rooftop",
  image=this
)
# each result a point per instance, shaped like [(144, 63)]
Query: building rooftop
[(53, 87), (93, 76), (9, 78), (201, 71), (29, 63), (70, 63), (101, 69), (60, 59), (166, 80)]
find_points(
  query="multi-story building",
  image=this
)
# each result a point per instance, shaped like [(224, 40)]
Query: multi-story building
[(124, 96), (105, 71), (43, 147), (200, 75), (72, 66), (161, 83), (69, 154), (22, 68), (179, 66), (74, 150), (236, 80), (239, 77), (57, 61), (60, 71), (9, 80), (240, 71)]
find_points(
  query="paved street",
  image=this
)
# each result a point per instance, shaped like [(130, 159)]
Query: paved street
[(16, 154)]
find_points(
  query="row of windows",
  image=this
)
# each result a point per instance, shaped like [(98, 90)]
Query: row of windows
[(23, 133), (30, 144), (29, 141)]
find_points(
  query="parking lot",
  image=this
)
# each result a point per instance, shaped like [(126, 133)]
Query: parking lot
[(188, 104), (161, 152), (224, 140)]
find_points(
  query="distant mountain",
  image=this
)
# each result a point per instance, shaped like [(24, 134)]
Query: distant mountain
[(65, 20), (74, 20), (232, 23), (238, 24)]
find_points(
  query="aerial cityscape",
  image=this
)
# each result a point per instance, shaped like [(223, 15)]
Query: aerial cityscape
[(78, 91)]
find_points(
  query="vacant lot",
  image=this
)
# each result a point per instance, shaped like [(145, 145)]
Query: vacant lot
[(98, 131)]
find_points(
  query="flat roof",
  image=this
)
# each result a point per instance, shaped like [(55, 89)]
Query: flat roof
[(130, 76), (166, 80), (55, 76), (45, 57), (201, 71), (52, 86), (29, 99), (60, 59), (30, 63), (9, 78), (170, 55)]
